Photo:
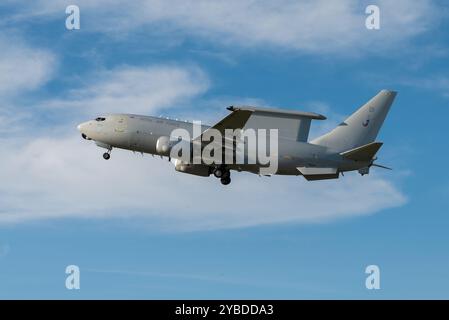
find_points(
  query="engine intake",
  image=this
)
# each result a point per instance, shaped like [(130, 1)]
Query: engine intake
[(163, 145)]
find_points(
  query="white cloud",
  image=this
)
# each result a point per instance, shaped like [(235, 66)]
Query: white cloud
[(135, 89), (66, 177), (438, 83), (61, 175), (305, 26), (23, 68)]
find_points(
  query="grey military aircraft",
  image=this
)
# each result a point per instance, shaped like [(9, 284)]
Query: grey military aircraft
[(350, 146)]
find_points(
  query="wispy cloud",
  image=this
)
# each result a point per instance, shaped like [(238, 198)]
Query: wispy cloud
[(23, 68), (437, 83), (66, 177), (132, 89), (52, 176), (215, 276), (303, 26)]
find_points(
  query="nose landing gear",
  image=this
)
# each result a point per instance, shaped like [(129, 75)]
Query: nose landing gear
[(107, 155)]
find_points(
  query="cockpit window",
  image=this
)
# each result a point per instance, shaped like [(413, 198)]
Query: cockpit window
[(100, 119)]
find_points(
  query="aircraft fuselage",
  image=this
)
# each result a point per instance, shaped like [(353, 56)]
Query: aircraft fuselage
[(141, 133)]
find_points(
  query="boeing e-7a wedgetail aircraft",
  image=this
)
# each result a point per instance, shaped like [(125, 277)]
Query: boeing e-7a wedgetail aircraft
[(258, 140)]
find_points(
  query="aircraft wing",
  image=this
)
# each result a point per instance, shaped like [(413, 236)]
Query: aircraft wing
[(279, 112), (235, 120)]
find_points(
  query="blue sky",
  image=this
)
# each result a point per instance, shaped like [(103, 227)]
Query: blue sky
[(138, 229)]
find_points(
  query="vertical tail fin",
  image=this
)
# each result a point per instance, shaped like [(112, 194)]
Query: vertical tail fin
[(362, 126)]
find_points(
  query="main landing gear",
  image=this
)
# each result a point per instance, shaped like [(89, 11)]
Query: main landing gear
[(223, 174), (225, 181)]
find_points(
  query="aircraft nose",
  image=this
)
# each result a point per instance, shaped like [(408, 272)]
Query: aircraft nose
[(82, 127)]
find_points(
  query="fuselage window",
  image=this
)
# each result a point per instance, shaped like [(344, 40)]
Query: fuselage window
[(100, 119)]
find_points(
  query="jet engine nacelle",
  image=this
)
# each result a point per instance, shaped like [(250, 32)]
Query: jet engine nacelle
[(196, 169), (164, 145)]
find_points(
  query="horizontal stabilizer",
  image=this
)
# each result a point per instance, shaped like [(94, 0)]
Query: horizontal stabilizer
[(363, 153), (318, 173)]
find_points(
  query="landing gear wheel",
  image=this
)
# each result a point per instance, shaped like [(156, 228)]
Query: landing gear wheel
[(218, 173), (225, 181), (226, 174), (106, 156)]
